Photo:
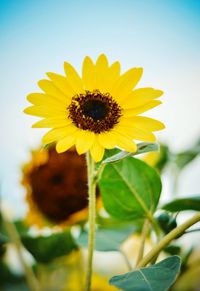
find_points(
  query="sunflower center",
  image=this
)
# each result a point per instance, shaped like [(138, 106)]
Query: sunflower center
[(94, 111)]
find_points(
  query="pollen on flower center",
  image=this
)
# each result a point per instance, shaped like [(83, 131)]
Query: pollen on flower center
[(94, 111)]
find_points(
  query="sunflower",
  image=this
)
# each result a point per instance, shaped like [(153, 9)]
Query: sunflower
[(96, 112), (56, 187)]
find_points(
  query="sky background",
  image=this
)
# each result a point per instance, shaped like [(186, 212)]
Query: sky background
[(162, 36)]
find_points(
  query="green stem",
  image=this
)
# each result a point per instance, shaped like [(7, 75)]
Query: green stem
[(167, 239), (100, 171), (14, 237), (92, 217), (145, 231)]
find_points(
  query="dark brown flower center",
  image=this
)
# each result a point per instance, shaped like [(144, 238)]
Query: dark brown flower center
[(94, 111), (59, 187)]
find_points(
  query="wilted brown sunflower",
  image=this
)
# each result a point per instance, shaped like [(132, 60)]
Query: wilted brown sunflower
[(56, 187)]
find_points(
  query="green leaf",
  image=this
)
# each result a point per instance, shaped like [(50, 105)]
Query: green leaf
[(166, 222), (130, 189), (164, 158), (8, 278), (107, 239), (142, 148), (190, 203), (158, 277), (112, 222), (184, 158), (172, 249), (45, 249), (21, 227), (3, 239)]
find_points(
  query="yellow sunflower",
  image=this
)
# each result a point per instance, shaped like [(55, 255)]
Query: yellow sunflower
[(56, 188), (96, 112)]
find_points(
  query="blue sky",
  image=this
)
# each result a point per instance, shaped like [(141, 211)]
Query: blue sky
[(162, 36)]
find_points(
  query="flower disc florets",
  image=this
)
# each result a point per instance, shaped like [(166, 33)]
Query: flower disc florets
[(94, 111)]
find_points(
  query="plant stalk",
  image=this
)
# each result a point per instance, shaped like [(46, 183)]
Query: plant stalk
[(92, 217), (167, 239), (145, 231)]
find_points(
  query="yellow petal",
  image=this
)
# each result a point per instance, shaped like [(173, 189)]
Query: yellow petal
[(125, 142), (97, 152), (46, 100), (62, 84), (135, 133), (73, 78), (84, 141), (42, 111), (52, 122), (107, 140), (65, 143), (144, 123), (126, 83), (115, 69), (48, 87), (101, 72), (88, 74), (141, 109), (140, 97), (58, 133), (112, 76)]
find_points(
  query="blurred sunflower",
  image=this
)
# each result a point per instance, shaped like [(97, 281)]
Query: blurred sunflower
[(56, 187), (96, 112)]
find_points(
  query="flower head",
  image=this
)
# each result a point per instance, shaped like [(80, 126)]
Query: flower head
[(56, 187), (96, 112)]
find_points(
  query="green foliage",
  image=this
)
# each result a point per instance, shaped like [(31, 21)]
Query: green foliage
[(189, 203), (130, 189), (8, 279), (112, 222), (164, 158), (45, 249), (166, 222), (143, 147), (21, 227), (107, 239), (184, 158), (173, 249), (158, 277)]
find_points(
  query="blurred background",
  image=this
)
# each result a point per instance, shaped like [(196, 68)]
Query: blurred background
[(163, 37), (37, 36)]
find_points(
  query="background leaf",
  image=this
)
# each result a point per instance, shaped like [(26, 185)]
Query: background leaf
[(107, 239), (45, 249), (158, 277), (190, 203), (184, 158), (130, 189)]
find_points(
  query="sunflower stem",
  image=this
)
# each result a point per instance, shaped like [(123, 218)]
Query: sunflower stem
[(167, 239), (144, 234), (92, 217)]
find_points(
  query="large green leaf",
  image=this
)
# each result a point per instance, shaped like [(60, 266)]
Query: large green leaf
[(130, 189), (190, 203), (158, 277), (45, 249), (107, 239), (113, 222)]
